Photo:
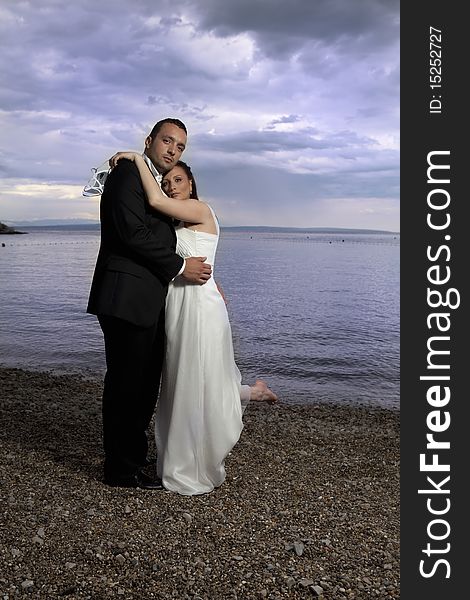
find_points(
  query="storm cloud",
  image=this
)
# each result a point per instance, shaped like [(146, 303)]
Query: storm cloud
[(289, 106)]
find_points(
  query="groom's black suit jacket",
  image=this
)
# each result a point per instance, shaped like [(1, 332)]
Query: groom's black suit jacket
[(137, 259)]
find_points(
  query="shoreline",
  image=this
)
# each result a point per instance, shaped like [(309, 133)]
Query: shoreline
[(310, 506), (91, 376)]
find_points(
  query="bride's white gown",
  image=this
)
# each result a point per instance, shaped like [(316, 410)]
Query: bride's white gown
[(201, 403)]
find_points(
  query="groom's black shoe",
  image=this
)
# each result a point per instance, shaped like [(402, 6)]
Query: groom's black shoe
[(139, 480), (147, 483)]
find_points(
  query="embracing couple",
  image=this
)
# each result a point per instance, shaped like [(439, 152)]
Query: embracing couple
[(165, 325)]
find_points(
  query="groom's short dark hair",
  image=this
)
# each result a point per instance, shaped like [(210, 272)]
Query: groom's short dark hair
[(159, 125)]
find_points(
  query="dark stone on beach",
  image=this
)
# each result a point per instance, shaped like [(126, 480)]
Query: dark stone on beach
[(299, 548), (317, 590)]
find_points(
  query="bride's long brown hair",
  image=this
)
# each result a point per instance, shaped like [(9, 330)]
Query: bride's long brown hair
[(187, 169)]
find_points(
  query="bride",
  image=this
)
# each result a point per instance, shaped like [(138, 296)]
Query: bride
[(201, 403)]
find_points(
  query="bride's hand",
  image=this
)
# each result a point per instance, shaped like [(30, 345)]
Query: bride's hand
[(113, 161)]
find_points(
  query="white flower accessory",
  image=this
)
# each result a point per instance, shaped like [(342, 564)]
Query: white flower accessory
[(95, 184)]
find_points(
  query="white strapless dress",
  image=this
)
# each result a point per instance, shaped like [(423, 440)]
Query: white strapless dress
[(201, 402)]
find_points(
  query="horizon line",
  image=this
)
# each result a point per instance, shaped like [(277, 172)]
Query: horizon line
[(91, 222)]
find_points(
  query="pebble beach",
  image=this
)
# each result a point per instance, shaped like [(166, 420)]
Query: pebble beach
[(309, 509)]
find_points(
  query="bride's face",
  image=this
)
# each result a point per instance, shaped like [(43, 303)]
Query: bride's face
[(177, 184)]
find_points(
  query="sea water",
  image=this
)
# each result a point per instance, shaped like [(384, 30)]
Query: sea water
[(314, 314)]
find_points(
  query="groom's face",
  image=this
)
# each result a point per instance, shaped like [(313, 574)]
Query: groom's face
[(166, 148)]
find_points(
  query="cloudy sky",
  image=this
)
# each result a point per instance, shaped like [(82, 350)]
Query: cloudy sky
[(292, 107)]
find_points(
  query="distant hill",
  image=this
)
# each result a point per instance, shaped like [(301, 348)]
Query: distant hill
[(54, 222), (6, 229), (254, 228), (266, 229)]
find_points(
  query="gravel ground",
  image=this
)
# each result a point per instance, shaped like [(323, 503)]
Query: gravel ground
[(310, 507)]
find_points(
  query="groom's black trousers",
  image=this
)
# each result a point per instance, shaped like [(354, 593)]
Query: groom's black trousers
[(134, 357)]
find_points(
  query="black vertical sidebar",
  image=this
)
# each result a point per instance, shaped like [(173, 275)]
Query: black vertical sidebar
[(435, 348)]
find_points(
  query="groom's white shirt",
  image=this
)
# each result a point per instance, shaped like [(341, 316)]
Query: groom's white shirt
[(158, 176)]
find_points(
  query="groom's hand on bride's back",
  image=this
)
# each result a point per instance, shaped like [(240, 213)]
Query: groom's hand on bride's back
[(196, 270)]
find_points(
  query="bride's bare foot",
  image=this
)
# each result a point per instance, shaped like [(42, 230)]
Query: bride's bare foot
[(261, 393)]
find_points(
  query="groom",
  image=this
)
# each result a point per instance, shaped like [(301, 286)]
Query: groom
[(135, 263)]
